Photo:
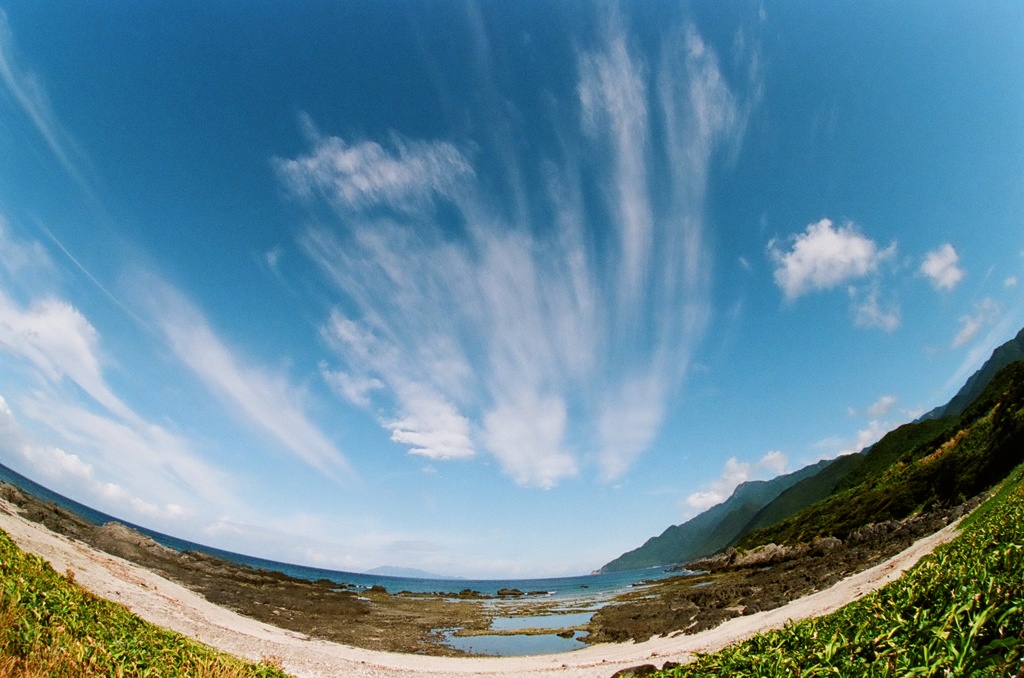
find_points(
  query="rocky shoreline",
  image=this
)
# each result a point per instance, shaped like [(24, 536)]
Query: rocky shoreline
[(736, 583), (731, 584)]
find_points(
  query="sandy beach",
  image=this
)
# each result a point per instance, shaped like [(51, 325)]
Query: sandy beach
[(170, 605), (167, 604)]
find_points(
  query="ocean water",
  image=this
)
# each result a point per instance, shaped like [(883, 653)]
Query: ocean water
[(581, 587)]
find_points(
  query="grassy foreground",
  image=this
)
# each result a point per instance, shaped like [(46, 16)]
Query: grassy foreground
[(50, 626), (959, 612)]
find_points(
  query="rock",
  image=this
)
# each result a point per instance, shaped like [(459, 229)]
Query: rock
[(120, 539), (822, 545), (377, 588), (873, 531), (711, 563), (509, 592), (566, 634), (636, 671), (761, 556)]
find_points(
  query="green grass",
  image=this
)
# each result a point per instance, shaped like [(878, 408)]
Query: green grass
[(959, 612), (50, 626)]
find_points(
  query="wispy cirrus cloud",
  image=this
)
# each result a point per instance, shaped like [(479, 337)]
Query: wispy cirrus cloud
[(95, 443), (60, 344), (942, 267), (871, 312), (549, 345), (985, 312), (881, 407), (365, 174), (266, 402), (55, 465), (27, 90)]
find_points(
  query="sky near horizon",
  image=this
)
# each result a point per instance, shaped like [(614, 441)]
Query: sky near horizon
[(489, 289)]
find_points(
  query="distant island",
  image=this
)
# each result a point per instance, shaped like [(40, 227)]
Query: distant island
[(408, 572)]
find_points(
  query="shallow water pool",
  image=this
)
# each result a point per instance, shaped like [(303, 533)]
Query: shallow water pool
[(515, 645)]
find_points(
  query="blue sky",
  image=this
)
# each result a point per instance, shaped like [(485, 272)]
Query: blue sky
[(489, 289)]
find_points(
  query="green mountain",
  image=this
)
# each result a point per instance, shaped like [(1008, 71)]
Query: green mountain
[(806, 492), (713, 529), (939, 462), (802, 504), (1010, 352)]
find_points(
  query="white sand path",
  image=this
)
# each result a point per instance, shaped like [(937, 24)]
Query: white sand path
[(172, 606)]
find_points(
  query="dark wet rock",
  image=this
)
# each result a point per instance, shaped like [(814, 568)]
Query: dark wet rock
[(505, 593), (736, 582), (566, 634), (636, 671)]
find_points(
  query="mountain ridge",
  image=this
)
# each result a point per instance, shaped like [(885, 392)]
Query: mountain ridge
[(1006, 353), (713, 529), (740, 515)]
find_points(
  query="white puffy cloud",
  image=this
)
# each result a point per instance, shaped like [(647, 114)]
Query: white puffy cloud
[(734, 473), (868, 435), (1010, 282), (942, 267), (824, 257), (986, 312)]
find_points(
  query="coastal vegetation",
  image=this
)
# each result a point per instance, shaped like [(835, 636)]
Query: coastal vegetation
[(50, 626), (905, 472), (957, 613), (919, 466)]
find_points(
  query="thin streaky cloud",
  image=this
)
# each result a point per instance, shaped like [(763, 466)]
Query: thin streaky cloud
[(502, 341), (985, 312), (91, 278), (26, 89), (266, 402), (362, 175), (59, 343), (613, 101)]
